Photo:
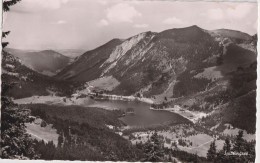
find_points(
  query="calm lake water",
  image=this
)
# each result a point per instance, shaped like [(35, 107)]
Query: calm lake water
[(142, 116)]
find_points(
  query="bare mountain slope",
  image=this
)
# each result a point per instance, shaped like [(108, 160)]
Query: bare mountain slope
[(87, 66)]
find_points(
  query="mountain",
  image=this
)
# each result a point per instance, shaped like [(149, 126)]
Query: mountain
[(47, 62), (87, 66), (27, 82), (154, 62), (207, 71)]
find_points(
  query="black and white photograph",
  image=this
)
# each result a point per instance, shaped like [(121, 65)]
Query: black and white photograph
[(129, 81)]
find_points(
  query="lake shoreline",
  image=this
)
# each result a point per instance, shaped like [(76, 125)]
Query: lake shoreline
[(191, 116), (121, 98)]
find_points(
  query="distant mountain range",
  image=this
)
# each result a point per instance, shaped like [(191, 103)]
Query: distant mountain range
[(47, 62)]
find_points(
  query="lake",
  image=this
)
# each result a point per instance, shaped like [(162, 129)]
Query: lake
[(143, 115)]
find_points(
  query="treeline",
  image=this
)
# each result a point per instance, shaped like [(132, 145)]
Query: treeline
[(240, 151), (161, 106)]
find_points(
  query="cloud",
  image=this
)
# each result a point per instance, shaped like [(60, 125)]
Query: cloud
[(140, 25), (61, 22), (102, 2), (240, 11), (173, 20), (122, 12), (103, 22), (215, 14)]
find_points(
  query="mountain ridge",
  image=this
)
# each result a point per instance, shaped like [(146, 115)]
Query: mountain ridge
[(170, 51), (47, 62)]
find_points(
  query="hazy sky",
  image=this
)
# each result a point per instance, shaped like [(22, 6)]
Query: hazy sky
[(86, 24)]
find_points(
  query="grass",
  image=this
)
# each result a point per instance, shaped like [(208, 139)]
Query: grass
[(47, 133)]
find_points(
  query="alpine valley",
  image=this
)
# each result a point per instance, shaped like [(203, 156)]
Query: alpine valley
[(189, 86)]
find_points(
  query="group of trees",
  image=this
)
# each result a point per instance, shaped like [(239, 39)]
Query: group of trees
[(153, 149), (188, 85), (239, 152), (83, 135), (160, 106), (15, 143), (241, 112), (156, 152)]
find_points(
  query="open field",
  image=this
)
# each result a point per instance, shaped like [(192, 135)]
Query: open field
[(105, 83), (47, 133)]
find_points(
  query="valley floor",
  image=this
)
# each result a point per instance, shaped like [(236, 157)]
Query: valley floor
[(181, 137)]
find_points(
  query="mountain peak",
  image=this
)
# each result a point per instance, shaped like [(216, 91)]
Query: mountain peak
[(194, 26), (187, 34)]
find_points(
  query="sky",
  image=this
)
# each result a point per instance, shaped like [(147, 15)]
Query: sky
[(87, 24)]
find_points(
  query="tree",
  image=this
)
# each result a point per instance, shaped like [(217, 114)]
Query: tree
[(60, 140), (239, 145), (227, 146), (212, 152), (7, 4), (15, 142), (154, 149), (223, 155), (6, 7)]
